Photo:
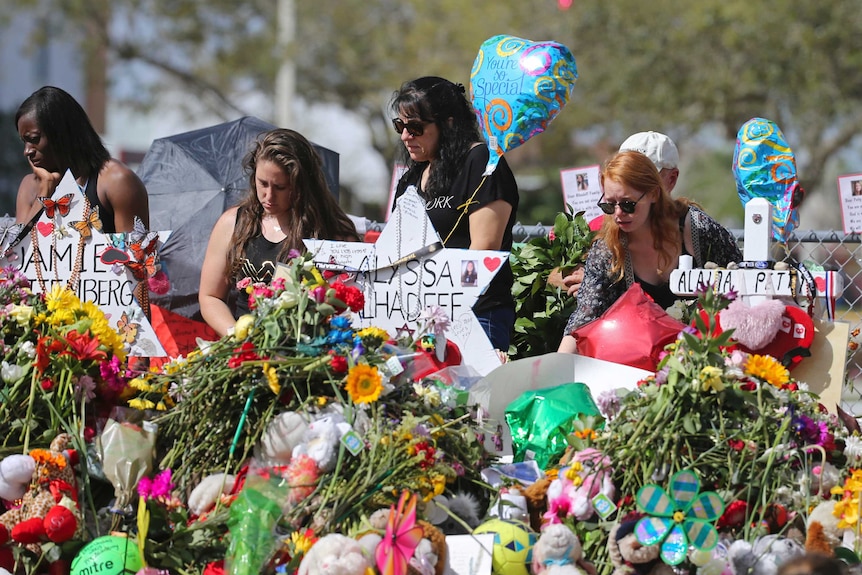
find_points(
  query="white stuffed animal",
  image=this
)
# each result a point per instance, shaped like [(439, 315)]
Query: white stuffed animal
[(205, 494), (16, 471), (282, 435), (321, 440), (764, 557), (334, 554), (557, 552)]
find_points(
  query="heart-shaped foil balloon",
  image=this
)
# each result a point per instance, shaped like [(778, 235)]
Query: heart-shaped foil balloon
[(517, 87)]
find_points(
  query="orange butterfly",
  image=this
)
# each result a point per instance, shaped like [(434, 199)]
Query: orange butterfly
[(141, 249), (127, 329), (92, 222), (142, 270), (63, 205)]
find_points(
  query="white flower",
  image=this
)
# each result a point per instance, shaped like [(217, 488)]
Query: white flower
[(429, 395), (28, 348), (11, 372), (853, 449), (436, 319), (287, 300)]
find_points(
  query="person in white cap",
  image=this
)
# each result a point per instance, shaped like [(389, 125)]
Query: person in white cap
[(661, 150)]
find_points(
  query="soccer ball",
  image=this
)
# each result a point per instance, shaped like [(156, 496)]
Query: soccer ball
[(513, 545)]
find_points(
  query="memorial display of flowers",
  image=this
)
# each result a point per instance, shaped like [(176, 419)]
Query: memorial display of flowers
[(62, 366)]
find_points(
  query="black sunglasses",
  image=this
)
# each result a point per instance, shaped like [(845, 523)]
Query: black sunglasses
[(627, 206), (414, 127)]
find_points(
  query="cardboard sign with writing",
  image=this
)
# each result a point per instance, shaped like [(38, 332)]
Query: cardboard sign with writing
[(65, 246), (581, 190), (407, 270), (850, 199)]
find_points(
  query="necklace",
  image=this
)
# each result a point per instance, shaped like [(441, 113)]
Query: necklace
[(72, 284)]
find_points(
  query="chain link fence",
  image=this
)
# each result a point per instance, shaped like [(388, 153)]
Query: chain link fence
[(830, 250)]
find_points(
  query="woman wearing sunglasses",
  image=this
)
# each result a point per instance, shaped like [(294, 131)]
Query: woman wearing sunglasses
[(643, 234), (446, 159)]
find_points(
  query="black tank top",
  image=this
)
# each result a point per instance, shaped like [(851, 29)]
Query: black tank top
[(261, 256), (106, 213), (661, 293)]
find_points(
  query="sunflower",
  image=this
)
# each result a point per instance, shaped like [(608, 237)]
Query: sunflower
[(768, 369), (271, 378), (363, 383)]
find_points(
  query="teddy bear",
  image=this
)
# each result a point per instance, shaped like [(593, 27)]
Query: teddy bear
[(335, 554), (764, 556), (429, 557), (320, 440), (557, 552), (49, 508), (282, 435), (628, 556)]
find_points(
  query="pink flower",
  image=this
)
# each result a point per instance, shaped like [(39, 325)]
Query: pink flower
[(243, 283), (159, 487)]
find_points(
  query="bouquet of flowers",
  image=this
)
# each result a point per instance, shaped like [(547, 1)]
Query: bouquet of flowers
[(736, 423), (320, 410), (60, 355)]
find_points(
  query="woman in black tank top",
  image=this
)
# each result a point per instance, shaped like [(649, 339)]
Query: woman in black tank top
[(288, 200)]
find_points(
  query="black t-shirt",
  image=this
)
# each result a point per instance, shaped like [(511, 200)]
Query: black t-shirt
[(443, 210), (261, 256)]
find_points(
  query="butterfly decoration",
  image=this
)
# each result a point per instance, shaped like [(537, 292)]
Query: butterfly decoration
[(401, 539), (680, 519), (139, 230), (9, 236), (62, 205), (144, 269), (127, 328), (91, 221), (118, 240), (141, 249)]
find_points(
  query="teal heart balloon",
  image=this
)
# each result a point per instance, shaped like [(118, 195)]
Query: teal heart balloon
[(517, 87), (764, 167)]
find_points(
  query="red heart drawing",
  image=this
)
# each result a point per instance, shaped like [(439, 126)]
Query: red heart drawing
[(492, 263), (45, 228), (820, 282)]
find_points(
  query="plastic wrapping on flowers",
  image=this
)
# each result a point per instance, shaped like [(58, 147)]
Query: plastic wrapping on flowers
[(316, 404), (738, 421)]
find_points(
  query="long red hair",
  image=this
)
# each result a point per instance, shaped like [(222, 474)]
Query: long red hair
[(636, 171)]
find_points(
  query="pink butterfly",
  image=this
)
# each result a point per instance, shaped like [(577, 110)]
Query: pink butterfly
[(401, 539)]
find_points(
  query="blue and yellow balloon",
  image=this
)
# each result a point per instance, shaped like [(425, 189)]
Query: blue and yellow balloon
[(764, 167), (517, 87)]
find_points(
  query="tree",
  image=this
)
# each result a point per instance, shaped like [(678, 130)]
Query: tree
[(663, 65)]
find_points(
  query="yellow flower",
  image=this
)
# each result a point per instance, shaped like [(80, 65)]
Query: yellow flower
[(271, 378), (301, 542), (710, 377), (60, 298), (364, 383), (768, 369), (141, 404), (141, 384), (242, 327)]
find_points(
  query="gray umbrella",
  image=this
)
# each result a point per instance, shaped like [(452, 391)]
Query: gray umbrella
[(191, 179)]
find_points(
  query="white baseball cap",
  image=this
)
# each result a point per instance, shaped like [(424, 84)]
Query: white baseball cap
[(655, 146)]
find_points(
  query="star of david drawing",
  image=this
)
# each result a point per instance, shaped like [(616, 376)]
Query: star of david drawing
[(408, 270), (110, 270)]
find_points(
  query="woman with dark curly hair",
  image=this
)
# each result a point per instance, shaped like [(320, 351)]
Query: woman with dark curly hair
[(446, 160), (288, 200)]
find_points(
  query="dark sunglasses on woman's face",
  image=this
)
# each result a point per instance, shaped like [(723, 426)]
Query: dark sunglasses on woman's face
[(627, 206), (414, 127)]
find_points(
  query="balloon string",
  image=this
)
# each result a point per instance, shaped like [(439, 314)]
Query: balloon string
[(464, 207)]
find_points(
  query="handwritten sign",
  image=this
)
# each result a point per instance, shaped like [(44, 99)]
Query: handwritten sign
[(469, 554), (581, 190), (397, 171), (753, 282), (59, 254), (850, 198), (401, 276)]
